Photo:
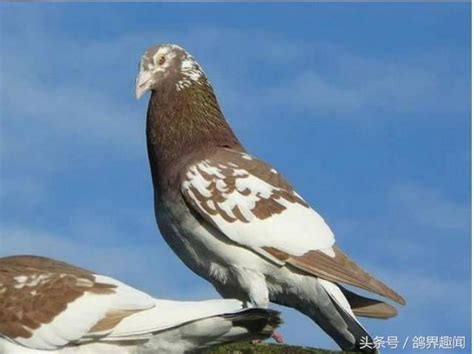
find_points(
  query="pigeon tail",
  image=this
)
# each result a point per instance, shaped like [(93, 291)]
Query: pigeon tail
[(366, 307), (253, 323), (243, 325), (362, 342), (250, 324), (326, 305)]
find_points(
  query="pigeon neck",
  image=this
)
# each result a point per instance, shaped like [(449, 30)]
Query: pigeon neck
[(183, 122)]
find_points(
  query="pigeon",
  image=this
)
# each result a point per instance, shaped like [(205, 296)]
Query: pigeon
[(235, 220), (47, 306)]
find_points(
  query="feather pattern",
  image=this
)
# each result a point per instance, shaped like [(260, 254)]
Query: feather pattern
[(252, 204), (255, 207), (47, 305), (338, 268)]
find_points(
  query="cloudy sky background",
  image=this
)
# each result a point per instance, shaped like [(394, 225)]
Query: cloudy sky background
[(365, 108)]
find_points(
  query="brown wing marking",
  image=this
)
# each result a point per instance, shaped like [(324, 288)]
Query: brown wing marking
[(339, 269), (111, 319), (233, 167), (48, 288)]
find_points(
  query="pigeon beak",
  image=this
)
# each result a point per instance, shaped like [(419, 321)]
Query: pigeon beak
[(143, 83)]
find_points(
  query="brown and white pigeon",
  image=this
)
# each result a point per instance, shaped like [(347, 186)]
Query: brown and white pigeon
[(47, 306), (233, 219)]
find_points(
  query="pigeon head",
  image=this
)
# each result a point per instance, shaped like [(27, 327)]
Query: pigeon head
[(167, 65), (183, 113)]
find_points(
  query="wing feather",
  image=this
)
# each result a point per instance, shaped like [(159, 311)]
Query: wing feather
[(367, 307), (251, 204), (47, 304), (339, 269)]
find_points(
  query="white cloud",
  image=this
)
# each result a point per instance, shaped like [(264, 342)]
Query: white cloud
[(429, 297), (71, 111), (431, 208), (144, 263), (417, 245), (414, 221)]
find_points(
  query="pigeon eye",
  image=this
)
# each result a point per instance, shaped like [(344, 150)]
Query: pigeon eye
[(162, 61)]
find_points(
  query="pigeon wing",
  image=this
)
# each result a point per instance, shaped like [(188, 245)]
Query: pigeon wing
[(46, 304), (254, 206)]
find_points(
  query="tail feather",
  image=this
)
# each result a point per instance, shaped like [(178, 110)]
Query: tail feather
[(257, 321), (242, 325), (367, 307), (363, 342), (179, 326), (326, 305)]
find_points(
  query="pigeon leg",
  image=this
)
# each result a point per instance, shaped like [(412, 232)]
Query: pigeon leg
[(278, 337), (255, 285)]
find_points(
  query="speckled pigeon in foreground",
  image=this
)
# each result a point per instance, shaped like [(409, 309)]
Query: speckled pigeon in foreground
[(48, 306), (233, 219)]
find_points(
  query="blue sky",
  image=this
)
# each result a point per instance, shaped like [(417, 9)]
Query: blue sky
[(364, 107)]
